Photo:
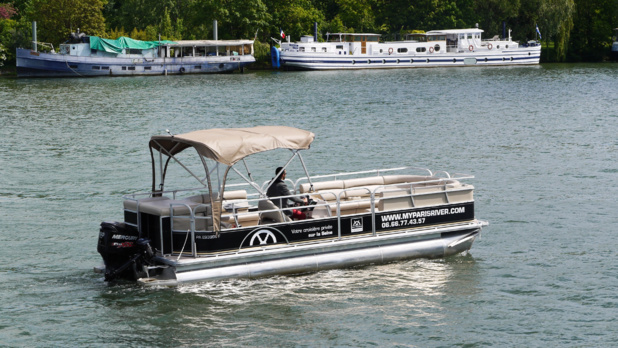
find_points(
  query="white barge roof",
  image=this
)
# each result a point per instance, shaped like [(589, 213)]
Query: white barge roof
[(455, 31), (191, 43), (367, 34)]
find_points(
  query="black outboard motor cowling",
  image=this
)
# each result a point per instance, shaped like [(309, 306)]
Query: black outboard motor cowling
[(118, 245)]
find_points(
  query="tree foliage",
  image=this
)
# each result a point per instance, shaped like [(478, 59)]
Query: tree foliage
[(7, 11), (56, 19), (576, 29)]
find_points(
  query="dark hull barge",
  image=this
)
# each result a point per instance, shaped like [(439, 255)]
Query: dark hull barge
[(231, 230)]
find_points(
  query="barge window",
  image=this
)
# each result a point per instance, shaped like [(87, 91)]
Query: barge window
[(105, 68), (197, 67), (339, 47), (73, 66), (124, 68), (324, 49), (147, 68), (419, 38), (94, 67), (131, 68), (301, 49), (313, 49), (402, 50), (134, 51), (421, 49)]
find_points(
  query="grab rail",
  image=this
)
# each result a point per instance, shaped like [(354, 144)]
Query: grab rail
[(439, 179)]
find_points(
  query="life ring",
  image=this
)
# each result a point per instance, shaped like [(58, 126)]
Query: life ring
[(390, 50), (430, 49), (489, 46), (471, 48), (182, 70)]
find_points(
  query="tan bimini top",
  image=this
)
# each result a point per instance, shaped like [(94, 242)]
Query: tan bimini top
[(230, 145)]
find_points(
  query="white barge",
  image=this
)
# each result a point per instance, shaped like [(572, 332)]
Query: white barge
[(436, 48), (222, 230)]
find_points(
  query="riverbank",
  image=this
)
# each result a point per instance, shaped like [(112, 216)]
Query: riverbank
[(8, 71)]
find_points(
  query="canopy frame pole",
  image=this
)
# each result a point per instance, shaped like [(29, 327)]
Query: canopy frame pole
[(164, 168), (215, 167), (294, 154), (249, 181), (248, 171), (160, 171), (161, 149), (302, 162), (215, 221)]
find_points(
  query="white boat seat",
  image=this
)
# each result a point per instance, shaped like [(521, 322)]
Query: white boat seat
[(245, 219), (276, 216), (236, 199), (394, 200), (160, 206), (355, 194)]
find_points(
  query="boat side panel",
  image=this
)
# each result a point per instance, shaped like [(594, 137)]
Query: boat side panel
[(316, 261), (318, 229)]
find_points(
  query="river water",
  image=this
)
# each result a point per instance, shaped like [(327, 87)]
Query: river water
[(541, 141)]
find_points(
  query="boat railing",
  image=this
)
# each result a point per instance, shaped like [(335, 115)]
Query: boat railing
[(190, 223), (187, 219), (46, 45), (172, 193), (191, 215), (375, 172)]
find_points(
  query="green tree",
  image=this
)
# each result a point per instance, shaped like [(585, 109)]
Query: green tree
[(7, 11), (56, 19), (245, 18), (14, 34), (524, 25), (495, 12), (357, 14), (556, 19), (403, 16), (2, 55), (592, 29), (295, 17)]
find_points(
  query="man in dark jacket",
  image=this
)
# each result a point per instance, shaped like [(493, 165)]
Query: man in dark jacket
[(279, 189)]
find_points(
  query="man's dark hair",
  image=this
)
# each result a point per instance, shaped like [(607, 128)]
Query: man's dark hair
[(278, 172)]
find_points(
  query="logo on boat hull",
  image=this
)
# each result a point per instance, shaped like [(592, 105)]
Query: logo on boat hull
[(357, 224), (262, 237)]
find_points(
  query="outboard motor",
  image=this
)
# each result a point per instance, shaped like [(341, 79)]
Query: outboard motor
[(123, 252)]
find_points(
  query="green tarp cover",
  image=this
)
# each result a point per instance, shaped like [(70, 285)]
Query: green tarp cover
[(116, 46)]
